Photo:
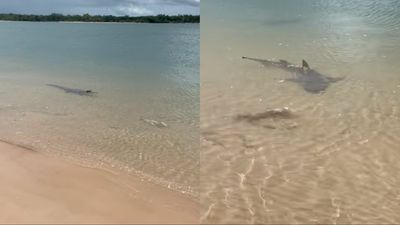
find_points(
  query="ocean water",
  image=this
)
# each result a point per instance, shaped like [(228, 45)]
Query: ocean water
[(141, 72), (336, 160)]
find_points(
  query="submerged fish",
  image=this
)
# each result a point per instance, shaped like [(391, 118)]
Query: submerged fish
[(311, 80), (281, 113), (73, 90), (271, 119)]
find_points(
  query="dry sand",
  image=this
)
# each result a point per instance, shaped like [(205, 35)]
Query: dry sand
[(36, 188)]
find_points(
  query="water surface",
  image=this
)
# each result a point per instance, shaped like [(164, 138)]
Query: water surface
[(336, 161), (139, 71)]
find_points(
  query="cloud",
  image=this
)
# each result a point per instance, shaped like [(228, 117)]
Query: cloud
[(195, 3), (132, 9), (103, 7), (147, 7)]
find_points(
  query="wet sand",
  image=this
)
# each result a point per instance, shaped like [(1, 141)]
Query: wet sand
[(37, 188)]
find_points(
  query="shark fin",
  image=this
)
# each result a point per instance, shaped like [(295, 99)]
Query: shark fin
[(305, 64)]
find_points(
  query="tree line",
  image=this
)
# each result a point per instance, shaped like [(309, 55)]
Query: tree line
[(55, 17)]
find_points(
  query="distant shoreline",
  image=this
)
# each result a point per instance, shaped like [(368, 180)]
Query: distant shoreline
[(86, 18), (79, 22)]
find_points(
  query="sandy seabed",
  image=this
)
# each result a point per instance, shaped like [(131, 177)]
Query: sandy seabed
[(37, 188)]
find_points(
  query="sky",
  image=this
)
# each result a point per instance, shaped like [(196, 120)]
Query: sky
[(102, 7)]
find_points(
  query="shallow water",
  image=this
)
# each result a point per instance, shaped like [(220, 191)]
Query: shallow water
[(139, 71), (335, 161)]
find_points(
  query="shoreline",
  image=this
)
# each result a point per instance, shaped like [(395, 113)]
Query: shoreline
[(114, 170), (38, 188)]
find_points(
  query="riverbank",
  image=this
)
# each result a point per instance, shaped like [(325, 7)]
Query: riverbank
[(37, 188)]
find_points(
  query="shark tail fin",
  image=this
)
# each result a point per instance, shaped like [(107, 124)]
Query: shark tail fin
[(305, 64)]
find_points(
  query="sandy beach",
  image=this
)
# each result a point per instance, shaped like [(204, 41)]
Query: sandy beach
[(37, 188)]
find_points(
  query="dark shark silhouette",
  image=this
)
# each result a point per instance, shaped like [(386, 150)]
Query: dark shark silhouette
[(73, 90), (311, 80)]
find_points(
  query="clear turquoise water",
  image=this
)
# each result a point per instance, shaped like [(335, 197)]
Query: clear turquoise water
[(140, 71), (338, 163)]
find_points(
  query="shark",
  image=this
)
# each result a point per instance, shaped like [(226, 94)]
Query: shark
[(73, 90), (311, 80)]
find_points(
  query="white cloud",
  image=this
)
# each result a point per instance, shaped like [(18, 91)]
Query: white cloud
[(133, 10)]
